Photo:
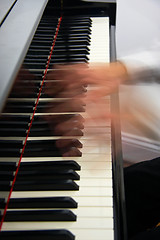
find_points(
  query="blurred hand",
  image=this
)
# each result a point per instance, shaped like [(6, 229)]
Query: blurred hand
[(103, 78), (71, 81)]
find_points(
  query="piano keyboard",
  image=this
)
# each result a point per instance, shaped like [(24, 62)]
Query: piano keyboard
[(76, 202)]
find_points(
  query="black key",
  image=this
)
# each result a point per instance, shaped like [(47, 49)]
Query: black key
[(35, 65), (41, 56), (38, 52), (71, 60), (21, 88), (10, 152), (69, 56), (69, 48), (77, 22), (40, 131), (41, 175), (64, 47), (11, 143), (45, 32), (50, 165), (40, 143), (12, 132), (48, 131), (40, 215), (37, 47), (75, 42), (5, 185), (6, 175), (68, 59), (21, 103), (36, 82), (62, 143), (64, 106), (61, 234), (39, 123), (8, 166), (59, 118), (68, 31), (13, 124), (64, 35), (18, 109), (40, 128), (23, 95), (24, 118), (41, 202), (37, 74), (41, 152), (34, 60), (46, 185), (2, 203), (41, 42)]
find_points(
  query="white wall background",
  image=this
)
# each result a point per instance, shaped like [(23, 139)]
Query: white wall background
[(138, 29), (138, 25)]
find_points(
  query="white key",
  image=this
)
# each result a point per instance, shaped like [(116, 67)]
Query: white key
[(96, 182), (81, 222), (100, 40), (83, 191), (86, 157)]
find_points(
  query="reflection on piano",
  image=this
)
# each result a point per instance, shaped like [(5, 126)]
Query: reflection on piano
[(58, 180)]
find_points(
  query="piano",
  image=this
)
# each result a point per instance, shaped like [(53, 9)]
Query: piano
[(58, 180)]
